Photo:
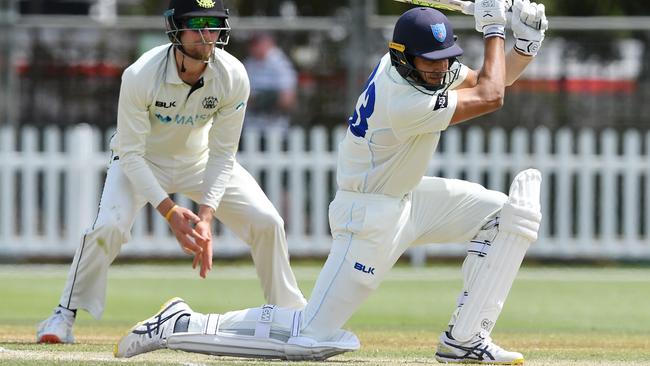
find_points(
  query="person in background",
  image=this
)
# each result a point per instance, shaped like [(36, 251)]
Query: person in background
[(273, 84)]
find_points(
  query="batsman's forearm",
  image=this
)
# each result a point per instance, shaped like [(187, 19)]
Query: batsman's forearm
[(516, 63), (491, 79)]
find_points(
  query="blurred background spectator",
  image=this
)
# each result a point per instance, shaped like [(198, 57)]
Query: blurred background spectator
[(273, 84)]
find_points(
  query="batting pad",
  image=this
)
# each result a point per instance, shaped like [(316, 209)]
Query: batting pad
[(518, 226), (295, 349)]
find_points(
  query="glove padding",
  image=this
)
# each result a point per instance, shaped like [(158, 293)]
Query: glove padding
[(490, 17), (528, 26)]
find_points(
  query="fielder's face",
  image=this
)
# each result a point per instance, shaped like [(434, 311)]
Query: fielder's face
[(431, 71), (198, 37)]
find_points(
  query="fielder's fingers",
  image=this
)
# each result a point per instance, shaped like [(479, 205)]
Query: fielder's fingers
[(191, 216), (206, 263), (195, 234), (196, 260), (188, 244)]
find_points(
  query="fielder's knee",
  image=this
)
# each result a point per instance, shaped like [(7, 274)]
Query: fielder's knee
[(267, 223)]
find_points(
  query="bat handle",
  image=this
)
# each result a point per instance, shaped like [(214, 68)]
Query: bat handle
[(467, 7)]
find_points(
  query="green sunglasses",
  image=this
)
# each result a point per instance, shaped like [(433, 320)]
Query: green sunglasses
[(198, 23)]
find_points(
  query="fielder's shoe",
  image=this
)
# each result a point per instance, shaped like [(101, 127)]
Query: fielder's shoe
[(57, 328), (477, 350), (151, 334)]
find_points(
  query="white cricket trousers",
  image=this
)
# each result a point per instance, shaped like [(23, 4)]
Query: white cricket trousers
[(370, 232), (244, 209)]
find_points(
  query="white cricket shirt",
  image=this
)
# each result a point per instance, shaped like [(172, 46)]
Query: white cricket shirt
[(164, 123), (393, 133)]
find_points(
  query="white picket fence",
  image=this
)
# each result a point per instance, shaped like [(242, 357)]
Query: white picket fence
[(596, 191)]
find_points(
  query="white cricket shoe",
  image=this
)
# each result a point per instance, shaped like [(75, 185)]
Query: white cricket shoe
[(151, 334), (478, 350), (57, 328)]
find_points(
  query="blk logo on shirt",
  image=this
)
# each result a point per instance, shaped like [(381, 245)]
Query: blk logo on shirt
[(165, 104)]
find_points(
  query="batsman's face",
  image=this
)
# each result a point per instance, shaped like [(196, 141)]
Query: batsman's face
[(199, 43), (431, 71)]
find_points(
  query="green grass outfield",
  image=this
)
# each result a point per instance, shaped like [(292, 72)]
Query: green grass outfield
[(555, 315)]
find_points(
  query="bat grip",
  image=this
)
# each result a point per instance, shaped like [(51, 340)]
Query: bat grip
[(468, 7)]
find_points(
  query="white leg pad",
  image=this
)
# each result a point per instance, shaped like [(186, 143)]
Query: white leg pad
[(518, 225), (266, 338), (296, 348)]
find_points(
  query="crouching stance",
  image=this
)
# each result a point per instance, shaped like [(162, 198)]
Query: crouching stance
[(385, 205), (494, 257)]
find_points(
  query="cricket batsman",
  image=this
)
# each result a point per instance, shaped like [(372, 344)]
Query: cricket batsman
[(180, 115), (385, 204)]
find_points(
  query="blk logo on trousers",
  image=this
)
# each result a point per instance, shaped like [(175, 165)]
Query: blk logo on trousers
[(362, 267)]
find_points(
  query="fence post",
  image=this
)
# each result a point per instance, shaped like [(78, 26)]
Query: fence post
[(563, 202), (631, 189), (297, 186), (28, 205), (81, 210), (608, 216), (586, 197), (8, 189), (52, 201), (319, 206), (543, 159)]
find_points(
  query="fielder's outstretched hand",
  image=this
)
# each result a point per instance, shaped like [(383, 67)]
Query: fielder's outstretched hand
[(204, 258), (528, 26), (181, 221)]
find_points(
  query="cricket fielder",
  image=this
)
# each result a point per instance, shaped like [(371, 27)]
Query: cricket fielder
[(180, 116), (385, 205)]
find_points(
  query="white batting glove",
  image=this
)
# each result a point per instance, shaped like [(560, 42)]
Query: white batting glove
[(528, 26), (490, 17)]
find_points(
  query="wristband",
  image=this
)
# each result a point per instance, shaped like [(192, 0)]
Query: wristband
[(527, 47), (494, 30), (168, 215)]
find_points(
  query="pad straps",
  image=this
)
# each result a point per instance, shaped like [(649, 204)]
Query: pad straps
[(297, 323), (212, 324), (263, 325)]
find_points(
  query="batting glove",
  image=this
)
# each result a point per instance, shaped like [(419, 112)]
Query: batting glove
[(490, 17), (528, 26)]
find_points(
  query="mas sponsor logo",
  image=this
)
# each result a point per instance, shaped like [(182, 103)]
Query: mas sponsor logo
[(163, 119), (210, 102), (184, 120)]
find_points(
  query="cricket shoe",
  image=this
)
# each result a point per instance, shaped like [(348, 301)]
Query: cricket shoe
[(57, 328), (151, 334), (478, 350)]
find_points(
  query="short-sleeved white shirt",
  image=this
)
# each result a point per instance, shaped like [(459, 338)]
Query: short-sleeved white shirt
[(393, 133)]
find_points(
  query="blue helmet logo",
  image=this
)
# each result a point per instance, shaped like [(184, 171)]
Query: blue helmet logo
[(439, 32)]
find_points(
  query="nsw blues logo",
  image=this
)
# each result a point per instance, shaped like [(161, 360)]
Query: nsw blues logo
[(439, 32)]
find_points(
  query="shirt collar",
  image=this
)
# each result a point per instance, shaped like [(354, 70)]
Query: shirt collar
[(172, 76)]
